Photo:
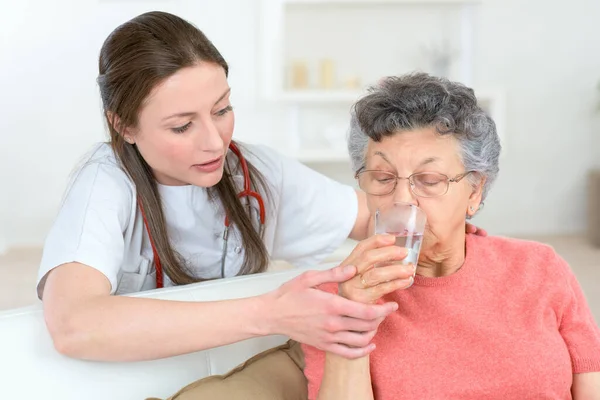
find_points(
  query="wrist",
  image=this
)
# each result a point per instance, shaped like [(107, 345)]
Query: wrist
[(265, 316), (348, 294)]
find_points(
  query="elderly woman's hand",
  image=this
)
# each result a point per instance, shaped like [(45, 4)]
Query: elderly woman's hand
[(379, 271), (470, 228)]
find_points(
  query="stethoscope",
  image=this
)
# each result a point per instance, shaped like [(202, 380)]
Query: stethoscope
[(247, 193)]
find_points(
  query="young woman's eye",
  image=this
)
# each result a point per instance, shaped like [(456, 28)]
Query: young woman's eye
[(181, 129), (223, 111)]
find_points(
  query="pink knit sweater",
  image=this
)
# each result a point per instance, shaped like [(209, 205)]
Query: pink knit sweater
[(512, 323)]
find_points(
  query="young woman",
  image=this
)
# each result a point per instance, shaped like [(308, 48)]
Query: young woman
[(171, 199)]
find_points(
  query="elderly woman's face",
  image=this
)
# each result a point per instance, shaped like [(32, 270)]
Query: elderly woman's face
[(418, 151)]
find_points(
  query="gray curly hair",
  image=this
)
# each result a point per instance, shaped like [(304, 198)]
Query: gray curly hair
[(420, 100)]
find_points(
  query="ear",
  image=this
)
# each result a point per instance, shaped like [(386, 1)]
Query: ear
[(115, 122), (475, 197)]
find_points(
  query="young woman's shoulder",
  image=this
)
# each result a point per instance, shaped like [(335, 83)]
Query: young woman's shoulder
[(98, 173), (315, 214), (266, 159), (98, 206), (100, 156)]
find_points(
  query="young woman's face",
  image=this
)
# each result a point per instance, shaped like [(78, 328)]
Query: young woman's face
[(185, 127)]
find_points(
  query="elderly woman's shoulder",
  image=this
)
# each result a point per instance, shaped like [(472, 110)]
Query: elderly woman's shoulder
[(519, 251)]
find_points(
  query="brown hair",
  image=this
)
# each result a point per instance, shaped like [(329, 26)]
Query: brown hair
[(136, 57)]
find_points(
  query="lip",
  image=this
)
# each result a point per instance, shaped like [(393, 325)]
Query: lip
[(209, 166)]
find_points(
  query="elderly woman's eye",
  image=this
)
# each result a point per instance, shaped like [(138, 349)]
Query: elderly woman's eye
[(382, 177), (429, 179)]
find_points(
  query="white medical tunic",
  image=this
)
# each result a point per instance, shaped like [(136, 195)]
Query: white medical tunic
[(100, 225)]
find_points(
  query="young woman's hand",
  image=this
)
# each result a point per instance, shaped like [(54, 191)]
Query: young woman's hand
[(342, 324), (301, 311)]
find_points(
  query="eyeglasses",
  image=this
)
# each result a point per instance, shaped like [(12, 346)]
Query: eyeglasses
[(422, 184)]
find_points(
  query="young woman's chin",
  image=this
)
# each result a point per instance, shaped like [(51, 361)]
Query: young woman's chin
[(206, 179)]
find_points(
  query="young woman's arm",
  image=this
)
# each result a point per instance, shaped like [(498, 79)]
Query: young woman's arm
[(86, 322), (586, 386), (364, 225)]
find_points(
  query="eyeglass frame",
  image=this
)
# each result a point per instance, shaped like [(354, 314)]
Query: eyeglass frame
[(411, 184)]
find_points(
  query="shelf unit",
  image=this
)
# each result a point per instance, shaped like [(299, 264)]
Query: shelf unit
[(492, 100), (273, 65)]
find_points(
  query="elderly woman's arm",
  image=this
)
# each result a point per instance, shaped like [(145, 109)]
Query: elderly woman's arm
[(586, 386), (580, 333), (346, 379)]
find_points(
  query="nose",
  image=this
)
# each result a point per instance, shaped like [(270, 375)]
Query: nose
[(403, 192), (209, 138)]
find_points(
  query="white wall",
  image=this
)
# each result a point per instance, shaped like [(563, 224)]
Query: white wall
[(49, 100), (545, 56), (545, 53)]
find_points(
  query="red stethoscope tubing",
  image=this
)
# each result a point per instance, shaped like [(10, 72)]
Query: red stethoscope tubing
[(247, 192)]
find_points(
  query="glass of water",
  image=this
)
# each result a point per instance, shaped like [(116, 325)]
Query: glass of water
[(406, 222)]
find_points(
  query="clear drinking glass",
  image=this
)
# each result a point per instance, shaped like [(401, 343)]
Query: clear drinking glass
[(407, 223)]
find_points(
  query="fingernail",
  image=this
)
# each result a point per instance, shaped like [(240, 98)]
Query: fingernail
[(412, 281), (395, 306)]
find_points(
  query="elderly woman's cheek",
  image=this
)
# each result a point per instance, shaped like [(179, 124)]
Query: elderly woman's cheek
[(445, 216)]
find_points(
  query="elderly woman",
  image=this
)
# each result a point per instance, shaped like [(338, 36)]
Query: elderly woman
[(486, 317)]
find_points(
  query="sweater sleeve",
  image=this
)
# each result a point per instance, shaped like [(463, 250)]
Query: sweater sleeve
[(577, 326), (314, 359)]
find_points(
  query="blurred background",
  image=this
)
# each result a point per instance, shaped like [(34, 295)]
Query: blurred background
[(296, 66)]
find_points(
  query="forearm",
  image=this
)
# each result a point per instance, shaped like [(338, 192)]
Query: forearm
[(345, 379), (586, 386), (116, 328), (364, 226)]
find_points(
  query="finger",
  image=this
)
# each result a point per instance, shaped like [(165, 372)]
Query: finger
[(389, 287), (353, 309), (373, 242), (350, 352), (376, 241), (354, 339), (376, 276), (337, 275), (470, 228), (360, 325), (379, 256)]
